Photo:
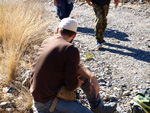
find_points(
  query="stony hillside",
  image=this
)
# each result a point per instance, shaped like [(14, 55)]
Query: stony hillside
[(123, 64)]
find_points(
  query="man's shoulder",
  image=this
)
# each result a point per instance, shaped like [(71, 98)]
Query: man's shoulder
[(72, 49), (60, 42), (51, 39)]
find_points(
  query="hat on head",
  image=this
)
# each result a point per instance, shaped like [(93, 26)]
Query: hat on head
[(68, 24)]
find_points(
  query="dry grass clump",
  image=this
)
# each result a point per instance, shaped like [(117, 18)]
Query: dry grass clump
[(22, 23), (24, 99), (3, 83), (18, 95)]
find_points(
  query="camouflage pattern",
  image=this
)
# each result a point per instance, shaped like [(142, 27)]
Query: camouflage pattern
[(100, 21)]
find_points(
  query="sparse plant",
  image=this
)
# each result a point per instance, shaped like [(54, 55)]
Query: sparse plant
[(88, 56)]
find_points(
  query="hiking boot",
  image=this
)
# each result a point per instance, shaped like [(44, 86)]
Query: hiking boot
[(107, 108)]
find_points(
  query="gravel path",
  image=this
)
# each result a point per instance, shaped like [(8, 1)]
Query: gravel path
[(122, 66)]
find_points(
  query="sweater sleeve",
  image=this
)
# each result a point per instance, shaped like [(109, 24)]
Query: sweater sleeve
[(72, 62)]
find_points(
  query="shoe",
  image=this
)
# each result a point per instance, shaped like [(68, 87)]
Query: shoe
[(98, 46), (103, 42), (107, 108)]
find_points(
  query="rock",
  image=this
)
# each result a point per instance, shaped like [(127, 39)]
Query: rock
[(5, 105), (26, 78), (106, 98), (102, 83), (9, 91), (36, 47), (113, 99), (6, 89), (119, 110), (126, 93)]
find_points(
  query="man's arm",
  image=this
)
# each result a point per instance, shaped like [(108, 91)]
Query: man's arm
[(83, 71), (72, 57)]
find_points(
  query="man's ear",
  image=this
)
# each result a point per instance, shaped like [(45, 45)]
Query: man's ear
[(57, 30), (74, 35)]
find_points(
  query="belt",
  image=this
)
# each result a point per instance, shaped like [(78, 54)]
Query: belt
[(54, 104), (64, 94)]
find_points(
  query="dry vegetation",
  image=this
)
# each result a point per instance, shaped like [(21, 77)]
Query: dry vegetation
[(22, 23)]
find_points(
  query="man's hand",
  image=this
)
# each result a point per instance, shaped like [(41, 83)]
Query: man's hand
[(55, 2), (83, 71), (94, 84), (89, 2), (116, 3)]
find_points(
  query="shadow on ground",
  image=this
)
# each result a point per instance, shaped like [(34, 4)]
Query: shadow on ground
[(132, 52), (85, 30), (108, 33), (116, 34)]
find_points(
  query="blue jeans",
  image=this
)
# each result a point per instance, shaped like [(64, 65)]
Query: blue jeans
[(62, 107), (71, 107), (64, 8)]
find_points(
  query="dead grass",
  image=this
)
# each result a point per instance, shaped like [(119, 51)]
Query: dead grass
[(21, 23), (24, 99)]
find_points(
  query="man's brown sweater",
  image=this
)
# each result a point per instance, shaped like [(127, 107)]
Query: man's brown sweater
[(55, 65)]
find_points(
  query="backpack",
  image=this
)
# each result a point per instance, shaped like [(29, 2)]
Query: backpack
[(141, 102)]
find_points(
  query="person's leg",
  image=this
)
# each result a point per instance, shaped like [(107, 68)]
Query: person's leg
[(61, 8), (70, 107), (105, 10), (69, 9), (42, 108), (61, 107), (100, 21), (96, 104)]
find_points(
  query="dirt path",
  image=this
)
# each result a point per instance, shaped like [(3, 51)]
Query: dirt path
[(124, 62)]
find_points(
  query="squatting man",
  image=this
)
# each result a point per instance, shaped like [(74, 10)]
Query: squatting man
[(57, 64)]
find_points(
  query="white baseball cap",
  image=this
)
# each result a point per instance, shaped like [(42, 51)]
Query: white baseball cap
[(68, 24)]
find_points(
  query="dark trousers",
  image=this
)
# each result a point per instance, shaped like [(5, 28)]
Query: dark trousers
[(64, 8)]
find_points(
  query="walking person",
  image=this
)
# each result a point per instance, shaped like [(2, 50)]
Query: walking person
[(101, 8), (63, 7), (57, 64)]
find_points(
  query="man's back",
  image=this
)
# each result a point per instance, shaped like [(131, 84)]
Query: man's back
[(55, 65)]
